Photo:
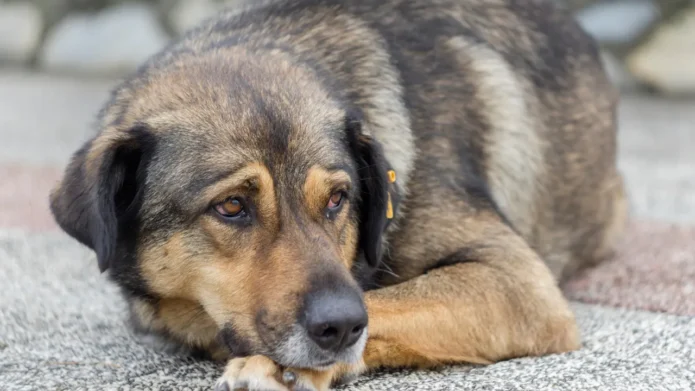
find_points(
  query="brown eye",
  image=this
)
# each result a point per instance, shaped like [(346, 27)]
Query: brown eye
[(231, 208), (335, 200)]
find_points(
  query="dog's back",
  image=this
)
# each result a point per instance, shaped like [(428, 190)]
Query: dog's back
[(512, 98)]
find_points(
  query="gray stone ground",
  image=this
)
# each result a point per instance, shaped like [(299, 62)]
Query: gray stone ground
[(62, 325), (108, 37)]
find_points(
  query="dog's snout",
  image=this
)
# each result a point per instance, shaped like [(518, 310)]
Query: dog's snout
[(335, 320)]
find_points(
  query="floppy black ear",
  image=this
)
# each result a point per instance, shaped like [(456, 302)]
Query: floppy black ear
[(98, 198), (372, 170)]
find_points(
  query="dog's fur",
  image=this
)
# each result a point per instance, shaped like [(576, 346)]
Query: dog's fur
[(495, 115)]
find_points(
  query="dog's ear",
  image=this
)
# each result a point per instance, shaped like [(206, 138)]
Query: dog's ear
[(372, 170), (98, 198)]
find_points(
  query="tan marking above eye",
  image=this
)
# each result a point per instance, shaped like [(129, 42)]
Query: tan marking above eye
[(253, 175), (320, 189)]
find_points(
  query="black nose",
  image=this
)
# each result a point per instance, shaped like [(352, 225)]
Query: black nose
[(335, 320)]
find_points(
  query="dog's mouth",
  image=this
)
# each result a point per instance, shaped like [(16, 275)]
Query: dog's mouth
[(299, 351), (296, 350), (329, 328)]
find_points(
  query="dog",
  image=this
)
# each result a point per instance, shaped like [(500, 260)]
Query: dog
[(312, 189)]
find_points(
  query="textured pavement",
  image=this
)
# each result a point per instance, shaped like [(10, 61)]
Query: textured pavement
[(62, 325)]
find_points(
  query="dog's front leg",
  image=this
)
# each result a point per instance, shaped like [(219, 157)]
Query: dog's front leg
[(500, 301)]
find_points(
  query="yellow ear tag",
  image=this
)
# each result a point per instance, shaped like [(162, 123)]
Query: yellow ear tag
[(392, 176), (389, 205), (389, 208)]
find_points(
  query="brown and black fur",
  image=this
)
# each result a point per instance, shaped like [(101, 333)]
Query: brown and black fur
[(496, 116)]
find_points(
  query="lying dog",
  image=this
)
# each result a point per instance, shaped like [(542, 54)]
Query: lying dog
[(315, 188)]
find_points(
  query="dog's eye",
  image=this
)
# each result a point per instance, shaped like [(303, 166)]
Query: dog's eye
[(335, 200), (231, 208)]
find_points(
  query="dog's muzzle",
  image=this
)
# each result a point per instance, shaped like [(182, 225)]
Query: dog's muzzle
[(334, 319), (331, 328)]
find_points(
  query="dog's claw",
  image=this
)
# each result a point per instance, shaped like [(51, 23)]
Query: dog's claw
[(289, 377), (222, 386), (240, 385)]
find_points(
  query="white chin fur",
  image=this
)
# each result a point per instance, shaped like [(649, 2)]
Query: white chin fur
[(298, 351)]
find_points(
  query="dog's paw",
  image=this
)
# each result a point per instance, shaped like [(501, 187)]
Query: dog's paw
[(253, 373), (258, 373)]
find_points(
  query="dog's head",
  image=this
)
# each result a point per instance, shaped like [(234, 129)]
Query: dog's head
[(233, 197)]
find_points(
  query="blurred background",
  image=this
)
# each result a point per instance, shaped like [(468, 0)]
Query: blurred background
[(649, 45), (60, 58)]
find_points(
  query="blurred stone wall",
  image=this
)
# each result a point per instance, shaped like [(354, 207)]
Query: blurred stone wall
[(648, 44)]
